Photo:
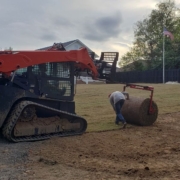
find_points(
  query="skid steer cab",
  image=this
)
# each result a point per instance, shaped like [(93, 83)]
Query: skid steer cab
[(37, 93)]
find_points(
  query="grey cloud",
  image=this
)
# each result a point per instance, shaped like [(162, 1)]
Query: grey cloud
[(34, 24), (109, 24), (48, 37), (103, 28), (123, 44), (63, 22), (43, 32)]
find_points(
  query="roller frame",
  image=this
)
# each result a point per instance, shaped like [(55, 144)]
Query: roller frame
[(146, 88)]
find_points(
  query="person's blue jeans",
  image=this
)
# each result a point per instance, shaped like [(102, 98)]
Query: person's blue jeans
[(119, 116)]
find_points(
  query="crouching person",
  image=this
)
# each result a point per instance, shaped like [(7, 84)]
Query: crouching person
[(117, 100)]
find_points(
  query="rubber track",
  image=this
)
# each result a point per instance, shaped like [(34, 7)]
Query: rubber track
[(15, 114)]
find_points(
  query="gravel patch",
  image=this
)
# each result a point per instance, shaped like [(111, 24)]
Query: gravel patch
[(14, 158)]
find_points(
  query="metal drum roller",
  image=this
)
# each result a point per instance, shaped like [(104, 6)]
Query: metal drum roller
[(140, 111)]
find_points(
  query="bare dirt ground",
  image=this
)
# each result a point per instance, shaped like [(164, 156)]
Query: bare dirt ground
[(133, 153)]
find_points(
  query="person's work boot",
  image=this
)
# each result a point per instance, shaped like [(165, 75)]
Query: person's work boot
[(124, 125)]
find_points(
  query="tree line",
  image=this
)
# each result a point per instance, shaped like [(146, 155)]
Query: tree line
[(148, 40)]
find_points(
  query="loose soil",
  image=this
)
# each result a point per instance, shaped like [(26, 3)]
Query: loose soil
[(136, 153)]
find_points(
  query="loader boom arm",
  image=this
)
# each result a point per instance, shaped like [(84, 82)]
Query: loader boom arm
[(13, 60)]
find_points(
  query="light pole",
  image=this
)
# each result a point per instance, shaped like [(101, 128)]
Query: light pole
[(163, 60)]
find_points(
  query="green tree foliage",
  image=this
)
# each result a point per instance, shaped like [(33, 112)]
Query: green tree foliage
[(148, 43)]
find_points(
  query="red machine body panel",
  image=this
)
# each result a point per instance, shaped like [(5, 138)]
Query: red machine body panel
[(13, 60)]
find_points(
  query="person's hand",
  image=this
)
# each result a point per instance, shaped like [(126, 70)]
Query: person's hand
[(126, 95)]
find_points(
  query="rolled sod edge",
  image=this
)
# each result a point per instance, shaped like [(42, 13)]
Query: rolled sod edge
[(135, 111)]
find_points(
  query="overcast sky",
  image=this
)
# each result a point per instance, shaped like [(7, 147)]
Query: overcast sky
[(102, 25)]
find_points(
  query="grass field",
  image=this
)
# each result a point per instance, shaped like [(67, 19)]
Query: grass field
[(92, 102)]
